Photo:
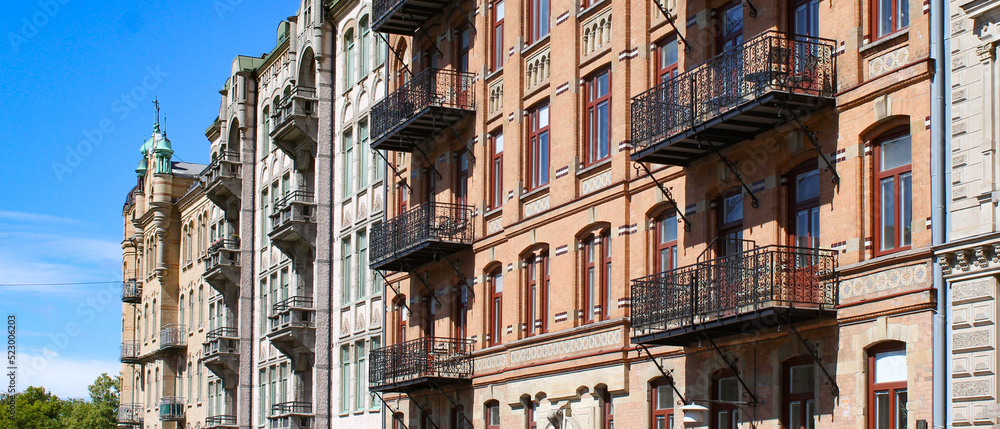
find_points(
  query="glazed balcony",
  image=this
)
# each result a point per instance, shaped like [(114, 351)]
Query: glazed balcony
[(222, 265), (722, 296), (132, 291), (223, 182), (420, 363), (733, 97), (421, 235), (293, 222), (130, 414), (404, 17), (130, 352), (221, 352), (292, 326), (294, 121), (431, 102), (291, 415), (173, 336), (172, 408), (220, 422)]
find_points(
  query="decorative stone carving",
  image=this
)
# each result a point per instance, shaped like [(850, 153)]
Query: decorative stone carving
[(596, 33), (595, 183), (536, 69), (537, 206), (496, 97), (962, 258), (882, 281), (565, 347), (945, 262), (985, 53), (971, 389), (981, 256), (971, 339)]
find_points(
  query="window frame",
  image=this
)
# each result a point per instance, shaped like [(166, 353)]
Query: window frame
[(495, 310), (607, 409), (787, 397), (539, 26), (659, 246), (893, 388), (894, 24), (462, 163), (496, 196), (895, 173), (537, 284), (724, 228), (349, 71), (491, 409), (538, 174), (717, 407), (654, 412), (795, 206), (499, 51), (592, 105), (596, 256), (670, 70)]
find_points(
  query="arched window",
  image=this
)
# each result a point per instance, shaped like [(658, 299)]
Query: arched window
[(596, 275), (725, 395), (363, 41), (887, 374), (730, 223), (893, 192), (798, 393), (180, 308), (661, 404), (536, 302), (492, 414), (201, 308), (265, 146), (665, 242), (349, 71)]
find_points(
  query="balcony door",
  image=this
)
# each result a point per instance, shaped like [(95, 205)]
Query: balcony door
[(728, 288), (804, 235), (731, 34), (725, 395), (729, 65)]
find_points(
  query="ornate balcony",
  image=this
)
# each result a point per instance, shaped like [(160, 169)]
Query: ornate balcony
[(130, 414), (294, 222), (130, 352), (421, 235), (291, 415), (292, 325), (733, 97), (132, 291), (173, 336), (172, 408), (220, 422), (404, 17), (431, 102), (420, 363), (223, 182), (723, 296), (294, 121), (222, 352), (222, 266)]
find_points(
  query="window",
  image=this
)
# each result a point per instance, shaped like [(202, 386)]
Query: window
[(492, 415), (397, 421), (496, 306), (539, 21), (887, 386), (362, 264), (263, 305), (666, 60), (805, 18), (261, 399), (283, 383), (462, 179), (666, 242), (498, 49), (607, 410), (496, 171), (461, 317), (348, 162), (365, 37), (894, 193), (730, 224), (402, 196), (349, 57), (725, 414), (799, 403), (283, 291), (375, 405), (662, 405), (531, 294), (538, 149), (732, 27), (180, 308), (597, 276), (266, 138), (529, 414), (345, 295), (360, 390), (428, 322), (363, 154), (805, 212), (598, 117), (401, 319), (464, 48), (345, 379), (889, 16)]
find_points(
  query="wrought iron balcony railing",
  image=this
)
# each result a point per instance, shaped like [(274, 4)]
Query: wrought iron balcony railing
[(418, 235), (132, 291), (282, 314), (130, 352), (416, 112), (172, 408), (300, 101), (220, 421), (130, 414), (291, 415), (173, 335), (284, 209), (419, 361), (286, 408), (717, 296), (221, 341), (732, 97), (222, 178)]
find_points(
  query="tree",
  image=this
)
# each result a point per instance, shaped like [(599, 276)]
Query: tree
[(101, 412), (34, 408)]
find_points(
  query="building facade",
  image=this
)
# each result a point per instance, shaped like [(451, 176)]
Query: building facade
[(654, 214), (969, 260)]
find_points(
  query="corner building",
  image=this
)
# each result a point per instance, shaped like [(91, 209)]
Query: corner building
[(636, 214)]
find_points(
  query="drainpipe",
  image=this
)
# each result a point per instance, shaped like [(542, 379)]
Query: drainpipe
[(939, 213)]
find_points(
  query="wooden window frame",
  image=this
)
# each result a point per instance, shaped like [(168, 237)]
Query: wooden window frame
[(499, 51), (491, 409), (401, 320), (723, 38), (787, 397), (495, 309), (794, 206), (660, 223), (496, 171), (531, 294), (463, 48), (727, 228), (894, 24), (596, 256), (536, 171), (718, 407), (591, 117), (607, 409), (462, 178), (893, 388), (669, 71), (895, 174), (654, 412), (536, 22)]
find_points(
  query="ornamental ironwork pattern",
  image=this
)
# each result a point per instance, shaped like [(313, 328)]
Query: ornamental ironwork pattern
[(744, 282), (291, 408), (221, 340), (172, 408), (220, 421), (130, 414), (223, 253), (283, 208), (429, 88), (225, 166), (426, 357), (130, 351), (299, 101), (771, 62), (427, 222), (173, 335), (132, 291)]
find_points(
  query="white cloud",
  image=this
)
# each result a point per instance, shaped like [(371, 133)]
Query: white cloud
[(63, 376)]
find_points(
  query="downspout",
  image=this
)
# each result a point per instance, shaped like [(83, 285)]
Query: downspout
[(939, 213)]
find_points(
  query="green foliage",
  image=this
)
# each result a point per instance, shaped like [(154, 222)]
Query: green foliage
[(37, 408)]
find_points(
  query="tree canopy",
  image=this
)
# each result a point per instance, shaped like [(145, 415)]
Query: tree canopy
[(38, 408)]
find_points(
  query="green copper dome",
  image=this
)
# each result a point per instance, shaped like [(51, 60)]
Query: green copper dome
[(141, 169), (163, 145)]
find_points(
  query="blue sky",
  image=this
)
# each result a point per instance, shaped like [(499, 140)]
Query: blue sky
[(76, 97)]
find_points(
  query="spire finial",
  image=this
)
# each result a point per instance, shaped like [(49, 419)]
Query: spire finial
[(156, 104)]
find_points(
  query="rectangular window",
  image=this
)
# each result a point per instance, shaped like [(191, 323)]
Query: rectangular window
[(375, 404), (887, 387), (462, 179), (493, 415), (496, 307), (496, 171), (726, 393), (890, 16), (663, 406), (348, 162), (360, 389), (261, 398), (345, 379), (283, 387), (539, 22), (666, 242), (363, 154), (531, 294), (666, 60), (345, 248), (731, 224), (538, 149), (285, 278), (894, 192), (380, 165), (263, 305), (799, 399), (349, 71), (365, 38), (598, 117), (499, 53), (362, 264), (272, 380)]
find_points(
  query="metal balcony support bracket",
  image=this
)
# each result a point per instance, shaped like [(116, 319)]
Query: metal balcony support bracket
[(811, 135), (454, 265), (669, 375), (754, 202), (468, 149), (677, 31), (395, 53), (394, 290), (731, 363), (392, 412), (430, 164), (423, 281), (454, 403), (666, 193), (753, 9), (423, 411), (395, 171), (423, 32), (834, 388)]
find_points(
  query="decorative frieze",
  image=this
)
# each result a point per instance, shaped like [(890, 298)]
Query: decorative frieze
[(596, 33), (894, 278), (597, 182), (495, 104), (537, 69), (888, 62), (537, 206), (566, 347)]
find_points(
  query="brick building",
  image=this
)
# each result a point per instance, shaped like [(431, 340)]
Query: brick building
[(636, 213)]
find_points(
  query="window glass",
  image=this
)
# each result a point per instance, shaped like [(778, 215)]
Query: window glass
[(807, 185), (802, 379), (729, 389), (890, 366), (733, 210), (664, 397), (895, 153)]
